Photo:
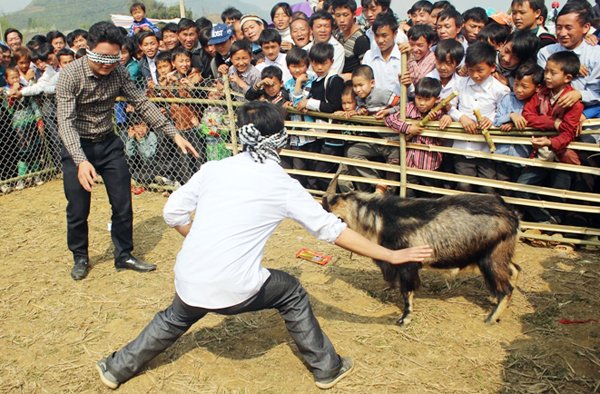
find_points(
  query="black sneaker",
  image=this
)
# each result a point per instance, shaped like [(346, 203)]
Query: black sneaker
[(131, 263), (107, 378), (80, 269), (347, 368)]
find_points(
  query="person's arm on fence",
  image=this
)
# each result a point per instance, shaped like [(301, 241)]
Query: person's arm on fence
[(503, 114), (567, 130), (535, 119)]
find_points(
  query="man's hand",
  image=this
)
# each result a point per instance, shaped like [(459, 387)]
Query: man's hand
[(382, 114), (15, 93), (129, 109), (416, 253), (568, 100), (404, 47), (462, 71), (405, 79), (468, 124), (30, 75), (583, 70), (86, 173), (151, 84), (539, 142), (185, 145), (415, 129), (363, 111), (519, 121), (507, 126), (445, 121), (485, 123), (286, 45), (223, 68), (184, 230), (557, 123), (301, 105), (591, 39)]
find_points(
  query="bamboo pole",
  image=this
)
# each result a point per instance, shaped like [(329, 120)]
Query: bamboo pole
[(403, 98), (231, 114), (26, 176)]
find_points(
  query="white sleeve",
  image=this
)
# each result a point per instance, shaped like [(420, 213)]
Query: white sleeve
[(304, 209), (182, 202), (339, 58)]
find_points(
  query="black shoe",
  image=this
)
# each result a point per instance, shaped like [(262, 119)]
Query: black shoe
[(107, 378), (80, 269), (345, 370), (131, 263)]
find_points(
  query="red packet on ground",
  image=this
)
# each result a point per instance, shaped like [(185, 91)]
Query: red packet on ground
[(309, 255)]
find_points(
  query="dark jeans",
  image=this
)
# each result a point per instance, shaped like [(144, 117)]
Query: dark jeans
[(281, 291), (475, 167), (108, 159), (537, 176)]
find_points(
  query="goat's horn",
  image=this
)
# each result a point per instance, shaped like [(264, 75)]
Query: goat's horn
[(332, 188)]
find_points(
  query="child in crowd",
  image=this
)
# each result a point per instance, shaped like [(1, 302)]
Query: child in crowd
[(47, 62), (27, 127), (149, 46), (449, 54), (270, 88), (420, 13), (325, 96), (140, 23), (422, 60), (384, 57), (270, 43), (243, 74), (474, 19), (483, 92), (222, 38), (542, 112), (371, 9), (77, 39), (140, 147), (22, 58), (128, 61), (493, 34), (427, 95), (231, 15), (281, 15), (520, 47), (370, 100), (529, 78), (214, 128), (349, 103)]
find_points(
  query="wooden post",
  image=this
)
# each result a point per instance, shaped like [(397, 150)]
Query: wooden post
[(231, 114), (403, 98)]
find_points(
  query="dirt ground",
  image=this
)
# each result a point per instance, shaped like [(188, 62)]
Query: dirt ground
[(53, 329)]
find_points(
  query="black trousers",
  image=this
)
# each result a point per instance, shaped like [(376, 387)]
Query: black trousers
[(108, 159), (281, 291)]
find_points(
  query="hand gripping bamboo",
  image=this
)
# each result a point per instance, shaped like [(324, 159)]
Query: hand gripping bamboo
[(485, 132), (440, 105)]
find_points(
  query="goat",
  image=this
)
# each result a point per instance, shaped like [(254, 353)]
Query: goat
[(466, 232)]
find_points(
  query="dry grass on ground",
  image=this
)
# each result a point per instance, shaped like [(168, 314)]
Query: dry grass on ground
[(53, 329)]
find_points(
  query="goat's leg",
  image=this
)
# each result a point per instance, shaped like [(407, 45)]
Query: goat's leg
[(408, 308), (494, 317)]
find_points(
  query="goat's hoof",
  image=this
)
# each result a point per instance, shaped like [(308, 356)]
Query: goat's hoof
[(403, 321), (490, 321)]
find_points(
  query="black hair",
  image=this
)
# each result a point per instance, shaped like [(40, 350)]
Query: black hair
[(267, 118), (321, 15), (418, 31), (104, 32), (299, 15), (450, 47), (428, 87), (544, 13), (231, 13), (136, 6), (296, 56), (269, 35), (568, 62), (385, 4), (451, 13), (284, 6), (385, 19), (421, 5), (64, 52), (205, 36), (4, 48), (530, 68), (348, 89), (44, 50), (321, 52), (240, 45), (81, 52), (52, 35), (583, 9), (172, 27), (349, 4), (203, 23), (165, 56), (184, 24), (476, 14), (129, 43), (74, 34), (272, 71), (141, 36), (480, 52), (493, 32), (20, 53), (363, 71), (443, 4), (34, 56), (123, 31), (535, 5), (525, 44), (36, 41), (180, 50), (11, 30)]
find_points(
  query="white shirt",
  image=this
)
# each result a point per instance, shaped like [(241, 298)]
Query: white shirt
[(485, 97), (238, 205), (452, 85), (339, 55), (279, 62), (385, 73), (400, 37), (46, 83), (589, 56), (152, 67)]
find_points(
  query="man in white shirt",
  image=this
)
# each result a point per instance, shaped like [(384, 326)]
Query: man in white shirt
[(385, 58), (218, 269), (572, 25), (321, 26)]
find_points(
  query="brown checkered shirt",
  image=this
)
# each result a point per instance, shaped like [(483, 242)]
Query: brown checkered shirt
[(85, 105)]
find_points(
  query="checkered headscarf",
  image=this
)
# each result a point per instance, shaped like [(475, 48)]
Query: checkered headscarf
[(259, 146)]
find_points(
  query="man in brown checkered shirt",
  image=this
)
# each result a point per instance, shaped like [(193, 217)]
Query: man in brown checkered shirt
[(85, 96)]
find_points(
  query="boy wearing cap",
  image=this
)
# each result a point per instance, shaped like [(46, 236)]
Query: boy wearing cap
[(221, 37)]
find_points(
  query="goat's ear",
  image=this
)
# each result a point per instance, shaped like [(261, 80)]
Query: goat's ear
[(332, 188)]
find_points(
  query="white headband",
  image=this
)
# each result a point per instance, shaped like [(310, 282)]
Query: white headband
[(104, 59), (250, 17)]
